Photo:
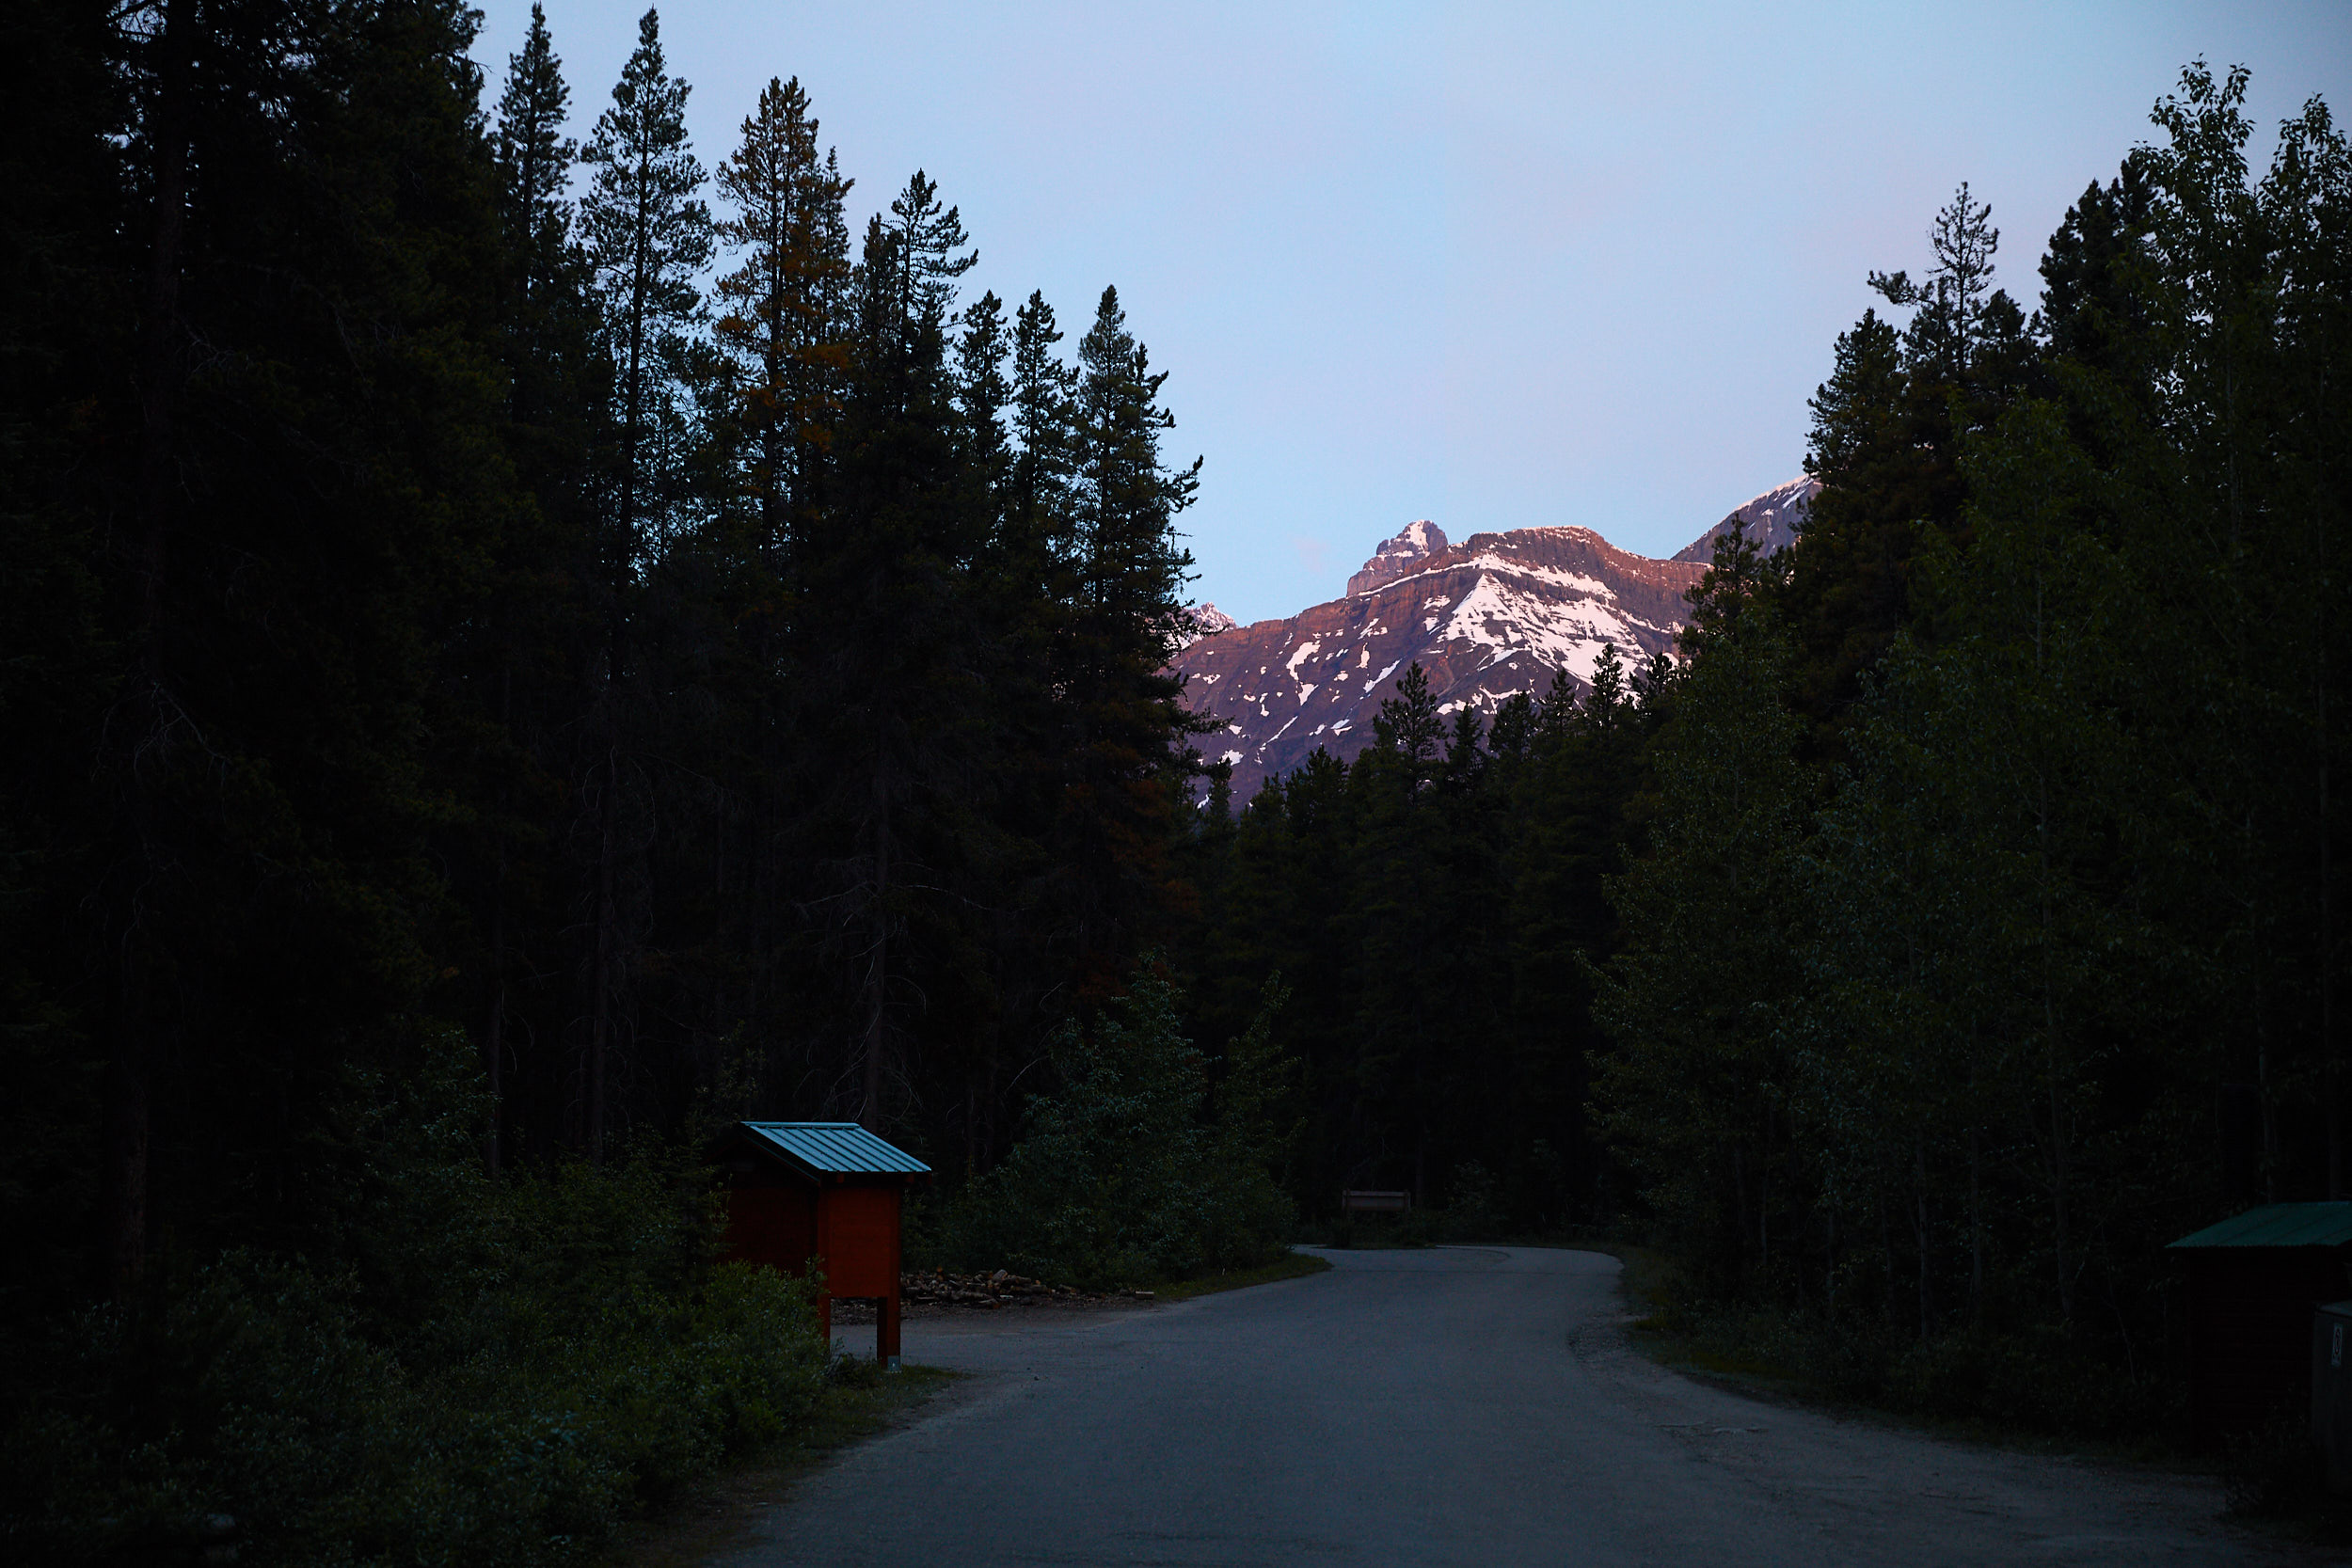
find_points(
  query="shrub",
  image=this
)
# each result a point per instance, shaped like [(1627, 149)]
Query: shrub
[(1122, 1177), (490, 1373)]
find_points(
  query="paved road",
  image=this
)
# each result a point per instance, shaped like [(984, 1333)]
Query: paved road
[(1462, 1405)]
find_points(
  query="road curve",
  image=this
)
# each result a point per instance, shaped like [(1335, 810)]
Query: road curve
[(1470, 1405)]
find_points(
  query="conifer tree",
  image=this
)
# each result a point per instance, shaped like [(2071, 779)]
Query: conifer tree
[(1043, 391), (1955, 312), (783, 321), (890, 633), (924, 239), (534, 156), (1129, 731), (1698, 1083), (71, 239), (647, 235), (983, 392)]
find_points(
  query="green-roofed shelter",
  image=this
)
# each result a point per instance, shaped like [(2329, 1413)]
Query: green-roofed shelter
[(824, 1193), (2254, 1281)]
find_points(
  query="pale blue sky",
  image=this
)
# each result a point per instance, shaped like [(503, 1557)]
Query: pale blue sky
[(1500, 266)]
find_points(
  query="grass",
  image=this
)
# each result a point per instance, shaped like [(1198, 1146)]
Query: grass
[(1290, 1265), (722, 1511)]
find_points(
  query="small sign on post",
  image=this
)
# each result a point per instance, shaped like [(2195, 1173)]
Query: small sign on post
[(1360, 1202)]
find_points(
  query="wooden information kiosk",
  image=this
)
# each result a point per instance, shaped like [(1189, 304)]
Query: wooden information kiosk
[(827, 1193)]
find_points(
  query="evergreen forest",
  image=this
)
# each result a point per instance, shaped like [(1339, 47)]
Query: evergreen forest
[(516, 649), (519, 649), (1952, 924)]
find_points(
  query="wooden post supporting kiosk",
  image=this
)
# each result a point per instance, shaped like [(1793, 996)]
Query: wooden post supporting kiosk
[(823, 1193)]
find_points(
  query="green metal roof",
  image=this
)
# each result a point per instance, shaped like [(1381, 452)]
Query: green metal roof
[(837, 1147), (2279, 1224)]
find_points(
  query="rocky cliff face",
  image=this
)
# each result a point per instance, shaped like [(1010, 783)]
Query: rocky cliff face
[(1491, 616), (1773, 520), (1399, 556)]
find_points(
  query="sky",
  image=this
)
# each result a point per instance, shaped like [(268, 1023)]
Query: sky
[(1497, 267)]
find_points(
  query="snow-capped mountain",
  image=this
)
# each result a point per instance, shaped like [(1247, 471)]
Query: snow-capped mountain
[(1491, 616), (1396, 557), (1773, 520), (1203, 620)]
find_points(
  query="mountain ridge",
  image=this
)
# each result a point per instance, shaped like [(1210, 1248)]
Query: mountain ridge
[(1493, 615)]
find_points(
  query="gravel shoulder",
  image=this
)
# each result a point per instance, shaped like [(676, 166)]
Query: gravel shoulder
[(1457, 1405)]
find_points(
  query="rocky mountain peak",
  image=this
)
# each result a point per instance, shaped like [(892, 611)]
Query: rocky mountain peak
[(1495, 614), (1398, 556), (1203, 620), (1772, 520)]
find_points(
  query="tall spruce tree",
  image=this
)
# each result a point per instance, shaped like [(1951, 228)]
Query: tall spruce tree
[(888, 640), (1128, 732), (783, 326), (536, 158), (647, 234), (1888, 429)]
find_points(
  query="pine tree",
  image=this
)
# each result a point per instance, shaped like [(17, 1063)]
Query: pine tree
[(536, 158), (783, 321), (71, 239), (924, 267), (1694, 997), (647, 235), (1955, 316), (983, 393), (1128, 730), (890, 640)]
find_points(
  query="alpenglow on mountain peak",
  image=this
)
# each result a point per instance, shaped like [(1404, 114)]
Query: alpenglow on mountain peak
[(1398, 556), (1496, 614)]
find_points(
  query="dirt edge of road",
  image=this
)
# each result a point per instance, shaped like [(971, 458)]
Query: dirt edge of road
[(724, 1510), (1640, 1292)]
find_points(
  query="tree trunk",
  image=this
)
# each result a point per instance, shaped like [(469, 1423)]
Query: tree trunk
[(878, 971), (126, 1129), (600, 999), (1828, 1260), (1920, 1232), (1739, 1201), (494, 1037), (2332, 1068), (125, 1115), (1886, 1256), (1976, 1228), (2058, 1199)]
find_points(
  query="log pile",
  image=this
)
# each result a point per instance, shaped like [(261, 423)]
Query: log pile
[(991, 1292)]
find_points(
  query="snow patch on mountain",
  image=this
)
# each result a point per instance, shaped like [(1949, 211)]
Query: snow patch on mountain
[(1772, 519), (1200, 621), (1396, 555), (1498, 614)]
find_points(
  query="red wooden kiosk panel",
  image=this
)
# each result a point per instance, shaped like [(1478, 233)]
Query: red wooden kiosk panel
[(824, 1193), (857, 1229)]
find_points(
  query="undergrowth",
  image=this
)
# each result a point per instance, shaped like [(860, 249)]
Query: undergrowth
[(454, 1369)]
